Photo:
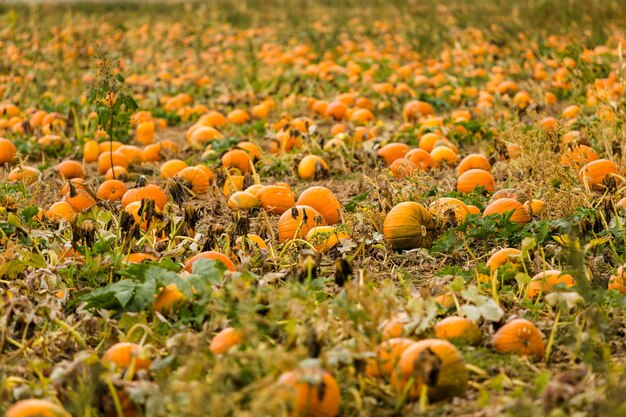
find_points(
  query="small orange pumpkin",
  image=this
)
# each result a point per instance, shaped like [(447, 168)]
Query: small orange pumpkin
[(276, 199), (8, 151), (546, 281), (393, 151), (122, 355), (111, 190), (198, 180), (296, 222), (144, 190), (312, 167), (458, 330), (316, 393), (172, 167), (473, 161), (506, 205), (107, 159), (388, 355), (595, 174), (421, 158), (225, 340), (238, 159), (519, 336), (210, 255)]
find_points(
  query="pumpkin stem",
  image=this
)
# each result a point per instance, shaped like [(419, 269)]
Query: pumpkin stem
[(73, 192)]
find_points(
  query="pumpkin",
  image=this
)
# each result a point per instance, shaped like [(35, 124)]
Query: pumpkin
[(197, 179), (61, 210), (394, 327), (36, 408), (233, 183), (513, 193), (225, 340), (80, 199), (595, 174), (448, 210), (473, 178), (276, 199), (507, 205), (325, 237), (8, 151), (312, 167), (204, 134), (324, 201), (238, 159), (243, 200), (145, 132), (70, 169), (132, 153), (535, 207), (458, 330), (251, 148), (143, 190), (25, 175), (107, 159), (172, 167), (519, 336), (109, 146), (393, 151), (402, 168), (387, 356), (122, 355), (415, 109), (315, 392), (336, 109), (504, 256), (246, 242), (296, 222), (116, 173), (77, 183), (433, 363), (91, 151), (209, 255), (167, 299), (238, 116), (577, 156), (616, 282), (141, 218), (546, 281), (473, 161), (428, 140), (443, 155), (213, 118), (473, 209), (111, 190), (408, 225), (362, 116), (137, 258), (421, 158)]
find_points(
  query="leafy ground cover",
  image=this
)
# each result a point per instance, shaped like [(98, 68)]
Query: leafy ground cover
[(293, 209)]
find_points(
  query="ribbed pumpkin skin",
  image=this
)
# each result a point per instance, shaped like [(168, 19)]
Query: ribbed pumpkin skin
[(293, 219), (197, 178), (36, 408), (421, 357), (505, 205), (276, 199), (473, 161), (409, 225), (150, 191), (316, 392), (545, 281), (519, 336), (513, 193), (324, 201), (473, 178), (444, 208), (593, 174)]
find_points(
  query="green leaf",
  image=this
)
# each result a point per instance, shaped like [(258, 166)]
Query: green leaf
[(351, 205)]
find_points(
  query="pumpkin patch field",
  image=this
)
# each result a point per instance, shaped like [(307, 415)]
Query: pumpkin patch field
[(313, 209)]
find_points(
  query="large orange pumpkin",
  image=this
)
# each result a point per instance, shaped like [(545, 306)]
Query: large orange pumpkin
[(435, 363), (324, 201), (595, 174), (409, 225), (143, 190), (519, 336), (210, 255), (506, 205), (36, 408), (315, 392), (276, 199), (297, 221), (473, 178)]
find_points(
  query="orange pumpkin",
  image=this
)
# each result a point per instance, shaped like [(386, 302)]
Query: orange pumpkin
[(91, 151), (210, 255), (80, 199), (444, 155), (225, 340), (415, 109), (546, 281), (388, 355), (143, 190), (578, 156), (393, 151), (325, 237), (36, 408), (458, 330), (238, 159), (324, 201), (595, 174), (408, 225), (473, 178), (513, 193), (238, 116), (25, 175), (448, 210), (107, 159), (172, 167), (617, 282), (197, 179), (8, 151), (111, 190), (315, 392), (421, 158), (473, 161), (506, 205), (504, 256), (167, 299), (61, 210), (122, 355), (428, 141), (402, 168), (276, 199), (70, 169), (296, 222), (519, 336), (433, 363), (312, 167), (233, 183), (243, 200)]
